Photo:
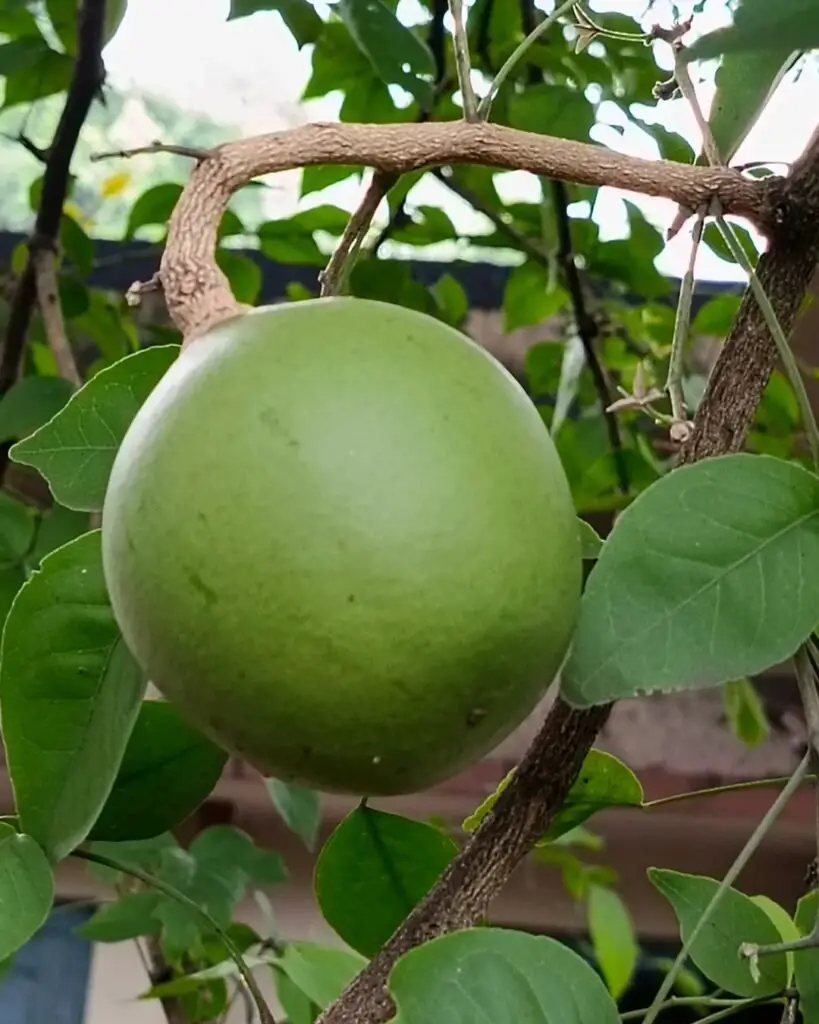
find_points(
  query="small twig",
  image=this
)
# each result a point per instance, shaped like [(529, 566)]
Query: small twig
[(463, 64), (333, 279), (681, 426), (518, 239), (783, 347), (587, 330), (686, 87), (48, 296), (153, 147), (485, 106), (30, 147), (675, 1001), (745, 854)]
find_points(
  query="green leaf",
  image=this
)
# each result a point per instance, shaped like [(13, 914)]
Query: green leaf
[(604, 781), (745, 712), (17, 527), (299, 809), (75, 450), (298, 15), (806, 961), (396, 53), (58, 526), (530, 296), (612, 936), (126, 918), (713, 559), (382, 862), (167, 771), (712, 236), (11, 580), (26, 889), (784, 924), (146, 854), (320, 972), (552, 110), (154, 206), (498, 975), (451, 298), (32, 70), (77, 246), (243, 273), (29, 403), (69, 692), (737, 919), (298, 1007), (287, 241), (745, 83), (214, 872), (319, 177), (591, 542), (760, 25)]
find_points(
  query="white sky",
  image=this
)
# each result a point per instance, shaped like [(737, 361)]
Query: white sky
[(250, 73)]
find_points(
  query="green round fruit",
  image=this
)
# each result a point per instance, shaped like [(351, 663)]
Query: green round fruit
[(339, 537)]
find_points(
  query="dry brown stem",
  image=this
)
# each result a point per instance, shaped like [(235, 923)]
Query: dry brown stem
[(48, 298), (198, 294)]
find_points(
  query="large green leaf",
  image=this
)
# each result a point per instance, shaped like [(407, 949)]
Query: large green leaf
[(75, 450), (704, 578), (498, 975), (167, 770), (70, 693), (298, 15), (745, 83), (762, 25), (26, 889), (806, 961), (398, 55), (736, 920), (604, 781), (380, 861)]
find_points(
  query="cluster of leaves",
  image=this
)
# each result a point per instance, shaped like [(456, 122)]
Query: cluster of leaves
[(705, 579)]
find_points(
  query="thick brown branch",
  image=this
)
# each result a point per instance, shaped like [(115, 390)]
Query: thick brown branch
[(749, 353), (198, 294), (476, 876)]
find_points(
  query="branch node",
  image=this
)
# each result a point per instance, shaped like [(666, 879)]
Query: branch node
[(139, 288)]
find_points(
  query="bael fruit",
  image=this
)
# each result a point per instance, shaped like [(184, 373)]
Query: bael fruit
[(340, 538)]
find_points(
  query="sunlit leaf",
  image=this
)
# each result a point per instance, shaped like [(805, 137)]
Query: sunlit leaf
[(69, 692)]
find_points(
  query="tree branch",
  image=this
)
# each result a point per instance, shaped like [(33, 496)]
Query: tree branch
[(540, 784), (86, 81), (198, 294), (587, 330)]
